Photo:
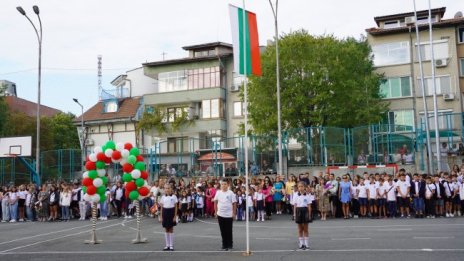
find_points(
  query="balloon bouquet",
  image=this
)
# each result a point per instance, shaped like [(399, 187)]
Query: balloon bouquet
[(95, 179)]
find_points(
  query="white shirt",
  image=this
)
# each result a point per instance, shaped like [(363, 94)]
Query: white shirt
[(461, 191), (199, 200), (382, 189), (403, 187), (168, 201), (391, 195), (225, 201), (354, 191), (302, 200), (22, 194), (372, 190), (28, 198), (362, 191), (250, 200), (429, 190), (416, 186), (154, 191), (184, 200), (259, 196), (448, 188), (74, 193), (292, 200), (118, 193), (65, 199), (437, 186)]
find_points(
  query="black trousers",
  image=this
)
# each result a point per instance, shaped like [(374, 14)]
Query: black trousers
[(225, 225)]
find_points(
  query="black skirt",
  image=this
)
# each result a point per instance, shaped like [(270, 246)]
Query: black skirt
[(168, 217), (302, 215), (21, 202), (260, 205), (184, 207)]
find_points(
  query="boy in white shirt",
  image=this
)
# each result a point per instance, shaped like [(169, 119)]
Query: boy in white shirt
[(362, 197), (403, 187), (390, 187), (430, 189), (372, 196), (382, 198)]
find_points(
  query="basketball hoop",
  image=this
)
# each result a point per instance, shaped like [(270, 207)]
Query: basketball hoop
[(11, 155)]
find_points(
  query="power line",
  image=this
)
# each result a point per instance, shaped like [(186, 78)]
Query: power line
[(63, 69)]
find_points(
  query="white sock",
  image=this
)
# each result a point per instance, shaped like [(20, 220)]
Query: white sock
[(171, 239), (301, 241), (306, 241), (259, 215), (166, 238)]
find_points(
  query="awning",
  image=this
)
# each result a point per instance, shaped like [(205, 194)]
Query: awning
[(385, 138), (442, 133), (217, 156)]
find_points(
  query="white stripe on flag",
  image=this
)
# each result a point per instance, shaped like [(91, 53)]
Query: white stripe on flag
[(233, 12)]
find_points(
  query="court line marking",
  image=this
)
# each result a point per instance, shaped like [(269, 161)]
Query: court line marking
[(272, 238), (70, 235), (394, 229), (49, 233), (235, 251), (352, 238), (433, 237)]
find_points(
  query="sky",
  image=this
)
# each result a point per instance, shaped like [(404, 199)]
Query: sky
[(129, 33)]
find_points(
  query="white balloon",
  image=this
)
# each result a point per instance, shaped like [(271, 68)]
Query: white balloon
[(85, 175), (96, 198), (122, 162), (97, 150), (87, 197), (97, 182), (109, 153), (136, 174), (119, 146), (125, 153), (145, 183), (101, 172), (93, 157), (115, 161)]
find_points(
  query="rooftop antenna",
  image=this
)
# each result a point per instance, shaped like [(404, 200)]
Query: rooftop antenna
[(163, 54), (99, 57)]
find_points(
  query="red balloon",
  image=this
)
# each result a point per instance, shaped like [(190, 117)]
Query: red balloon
[(107, 160), (89, 165), (143, 191), (126, 194), (130, 186), (116, 155), (101, 156), (139, 158), (128, 146), (144, 175), (127, 168), (87, 182), (91, 190)]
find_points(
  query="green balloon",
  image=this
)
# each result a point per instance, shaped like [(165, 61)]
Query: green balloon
[(104, 148), (100, 165), (134, 151), (93, 174), (140, 165), (101, 190), (105, 180), (126, 177), (111, 145), (132, 159), (139, 182), (84, 189), (134, 195), (102, 198)]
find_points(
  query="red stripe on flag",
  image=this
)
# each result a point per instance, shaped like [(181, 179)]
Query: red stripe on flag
[(254, 45)]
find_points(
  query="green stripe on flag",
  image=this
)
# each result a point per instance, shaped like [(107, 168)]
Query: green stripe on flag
[(244, 47)]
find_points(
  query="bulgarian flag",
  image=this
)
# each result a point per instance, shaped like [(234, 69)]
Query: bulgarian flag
[(246, 51)]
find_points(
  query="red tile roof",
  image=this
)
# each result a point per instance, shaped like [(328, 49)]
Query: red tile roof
[(29, 108), (127, 109)]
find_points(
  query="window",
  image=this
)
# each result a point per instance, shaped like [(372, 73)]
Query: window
[(179, 144), (172, 81), (110, 106), (425, 19), (440, 50), (204, 53), (238, 109), (391, 53), (174, 113), (442, 83), (461, 35), (396, 87), (461, 67), (211, 109), (391, 24), (189, 79), (401, 118)]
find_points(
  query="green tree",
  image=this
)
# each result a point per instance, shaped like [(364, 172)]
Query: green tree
[(64, 132), (325, 81)]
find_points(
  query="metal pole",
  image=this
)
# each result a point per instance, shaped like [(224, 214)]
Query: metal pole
[(279, 112), (424, 97), (138, 238), (247, 219), (435, 104)]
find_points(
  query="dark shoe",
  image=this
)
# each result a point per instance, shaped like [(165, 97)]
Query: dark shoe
[(166, 249), (304, 248), (224, 249), (171, 248)]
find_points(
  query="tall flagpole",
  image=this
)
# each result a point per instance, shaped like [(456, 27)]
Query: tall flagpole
[(247, 221), (279, 112), (435, 104), (424, 97)]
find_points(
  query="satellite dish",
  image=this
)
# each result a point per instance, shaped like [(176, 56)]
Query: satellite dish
[(458, 14)]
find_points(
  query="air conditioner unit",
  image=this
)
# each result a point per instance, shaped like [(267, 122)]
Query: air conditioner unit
[(409, 20), (235, 88), (441, 63), (89, 142), (448, 96)]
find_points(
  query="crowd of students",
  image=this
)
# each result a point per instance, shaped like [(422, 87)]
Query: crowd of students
[(375, 195)]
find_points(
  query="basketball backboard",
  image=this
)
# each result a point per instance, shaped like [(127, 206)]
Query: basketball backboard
[(18, 146)]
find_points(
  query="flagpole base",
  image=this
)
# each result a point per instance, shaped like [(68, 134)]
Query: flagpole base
[(247, 253), (139, 241)]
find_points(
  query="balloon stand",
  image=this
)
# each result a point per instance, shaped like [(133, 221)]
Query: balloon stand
[(139, 238), (93, 234)]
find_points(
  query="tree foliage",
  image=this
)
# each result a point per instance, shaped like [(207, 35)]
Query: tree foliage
[(325, 81), (156, 119)]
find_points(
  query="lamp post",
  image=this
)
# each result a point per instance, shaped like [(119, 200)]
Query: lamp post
[(39, 39), (82, 131)]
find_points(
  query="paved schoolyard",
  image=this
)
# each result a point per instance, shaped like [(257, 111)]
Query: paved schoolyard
[(405, 239)]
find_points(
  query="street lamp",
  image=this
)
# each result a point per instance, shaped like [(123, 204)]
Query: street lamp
[(82, 129), (39, 39)]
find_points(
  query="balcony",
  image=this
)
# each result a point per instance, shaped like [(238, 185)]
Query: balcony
[(186, 96), (118, 93)]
